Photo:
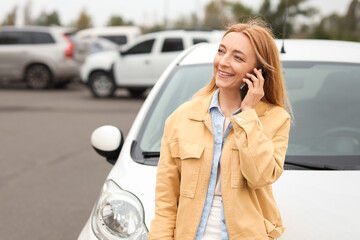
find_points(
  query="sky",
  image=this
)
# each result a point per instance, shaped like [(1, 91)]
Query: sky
[(141, 12)]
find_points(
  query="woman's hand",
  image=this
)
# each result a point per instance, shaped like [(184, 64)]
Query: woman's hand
[(256, 90)]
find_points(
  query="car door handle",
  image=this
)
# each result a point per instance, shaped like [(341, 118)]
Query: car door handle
[(147, 62)]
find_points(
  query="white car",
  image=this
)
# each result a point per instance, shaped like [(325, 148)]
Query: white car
[(119, 35), (318, 194), (43, 57), (139, 65)]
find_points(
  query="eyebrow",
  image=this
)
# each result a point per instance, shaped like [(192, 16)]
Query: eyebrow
[(237, 51)]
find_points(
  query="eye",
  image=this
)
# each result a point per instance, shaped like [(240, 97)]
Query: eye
[(220, 51), (238, 58)]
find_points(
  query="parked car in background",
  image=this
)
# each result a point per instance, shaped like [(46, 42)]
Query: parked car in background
[(98, 44), (139, 65), (42, 56), (317, 193), (119, 35)]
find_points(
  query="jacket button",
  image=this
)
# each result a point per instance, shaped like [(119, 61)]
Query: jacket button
[(238, 120)]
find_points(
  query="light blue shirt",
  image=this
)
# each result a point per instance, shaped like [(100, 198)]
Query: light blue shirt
[(217, 119)]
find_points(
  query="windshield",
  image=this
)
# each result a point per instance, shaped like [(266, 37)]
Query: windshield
[(325, 99)]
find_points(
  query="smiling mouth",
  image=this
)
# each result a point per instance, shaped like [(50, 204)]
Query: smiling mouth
[(225, 74)]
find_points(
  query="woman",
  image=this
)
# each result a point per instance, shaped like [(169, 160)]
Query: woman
[(220, 154)]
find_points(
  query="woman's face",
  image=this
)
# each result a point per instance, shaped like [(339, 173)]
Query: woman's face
[(235, 58)]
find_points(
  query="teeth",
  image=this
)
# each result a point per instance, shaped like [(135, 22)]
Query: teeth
[(225, 74)]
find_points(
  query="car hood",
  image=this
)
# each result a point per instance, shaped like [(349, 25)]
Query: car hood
[(106, 58)]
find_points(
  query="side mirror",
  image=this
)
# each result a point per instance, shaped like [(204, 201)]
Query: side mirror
[(107, 141)]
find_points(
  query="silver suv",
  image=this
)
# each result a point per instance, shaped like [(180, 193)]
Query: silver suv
[(42, 56)]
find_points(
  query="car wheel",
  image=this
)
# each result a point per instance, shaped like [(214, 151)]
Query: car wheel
[(136, 92), (102, 85), (38, 77)]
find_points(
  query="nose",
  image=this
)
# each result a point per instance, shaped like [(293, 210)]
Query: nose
[(224, 61)]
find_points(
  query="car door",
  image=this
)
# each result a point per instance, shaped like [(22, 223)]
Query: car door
[(13, 53), (135, 66), (169, 48)]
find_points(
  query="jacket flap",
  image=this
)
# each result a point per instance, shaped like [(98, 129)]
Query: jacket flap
[(185, 150), (272, 230)]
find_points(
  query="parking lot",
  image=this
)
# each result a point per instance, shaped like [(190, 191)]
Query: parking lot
[(50, 175)]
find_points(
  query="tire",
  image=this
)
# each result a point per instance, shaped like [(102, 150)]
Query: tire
[(101, 85), (136, 92), (38, 77)]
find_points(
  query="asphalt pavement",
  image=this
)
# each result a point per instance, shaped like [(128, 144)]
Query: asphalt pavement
[(50, 176)]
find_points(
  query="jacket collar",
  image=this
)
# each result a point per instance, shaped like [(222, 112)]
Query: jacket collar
[(202, 104)]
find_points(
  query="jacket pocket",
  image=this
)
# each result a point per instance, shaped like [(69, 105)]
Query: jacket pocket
[(189, 155), (237, 179)]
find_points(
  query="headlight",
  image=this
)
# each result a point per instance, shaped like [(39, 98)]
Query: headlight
[(118, 214)]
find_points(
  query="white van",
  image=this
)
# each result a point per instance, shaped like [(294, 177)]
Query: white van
[(120, 35)]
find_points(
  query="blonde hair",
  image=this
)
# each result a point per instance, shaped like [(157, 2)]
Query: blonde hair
[(267, 55)]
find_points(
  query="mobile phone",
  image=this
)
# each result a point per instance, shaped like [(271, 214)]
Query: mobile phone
[(244, 88)]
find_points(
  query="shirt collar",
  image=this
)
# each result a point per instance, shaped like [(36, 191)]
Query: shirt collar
[(215, 100), (200, 108), (215, 103)]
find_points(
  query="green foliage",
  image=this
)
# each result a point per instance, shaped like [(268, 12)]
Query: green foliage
[(155, 28), (183, 22), (84, 21), (212, 16), (118, 21), (217, 14), (276, 17), (27, 13), (48, 19), (220, 13), (10, 18), (241, 12), (345, 27)]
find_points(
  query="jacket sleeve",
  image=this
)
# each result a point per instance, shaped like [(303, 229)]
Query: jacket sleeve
[(261, 159), (166, 195)]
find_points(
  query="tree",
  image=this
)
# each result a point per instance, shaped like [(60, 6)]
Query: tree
[(46, 19), (276, 17), (216, 14), (190, 22), (351, 22), (154, 28), (324, 30), (27, 13), (116, 21), (10, 18), (345, 27), (84, 20), (241, 12)]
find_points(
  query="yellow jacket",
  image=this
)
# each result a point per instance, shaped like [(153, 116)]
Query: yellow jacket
[(252, 159)]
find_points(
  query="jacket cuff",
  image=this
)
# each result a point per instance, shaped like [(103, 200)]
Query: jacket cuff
[(245, 117)]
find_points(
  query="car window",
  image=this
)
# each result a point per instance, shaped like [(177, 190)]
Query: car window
[(15, 37), (172, 45), (199, 40), (141, 48), (325, 99), (179, 88), (118, 39), (42, 38)]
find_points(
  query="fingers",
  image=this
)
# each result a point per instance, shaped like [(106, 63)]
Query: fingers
[(249, 83), (260, 77), (258, 80)]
